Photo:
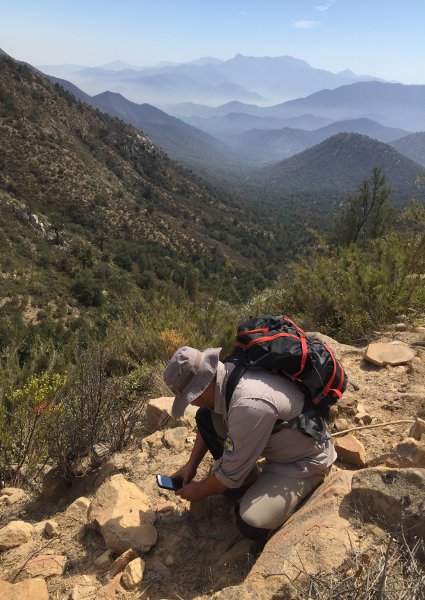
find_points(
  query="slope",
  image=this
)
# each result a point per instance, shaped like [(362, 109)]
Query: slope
[(104, 202), (339, 164), (181, 141), (274, 145), (392, 104), (412, 146)]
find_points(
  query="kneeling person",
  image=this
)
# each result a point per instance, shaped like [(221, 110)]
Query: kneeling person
[(295, 463)]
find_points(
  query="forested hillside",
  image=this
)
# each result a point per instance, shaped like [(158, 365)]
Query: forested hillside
[(110, 203), (339, 164)]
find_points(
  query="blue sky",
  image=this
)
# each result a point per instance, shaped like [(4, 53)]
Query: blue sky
[(384, 38)]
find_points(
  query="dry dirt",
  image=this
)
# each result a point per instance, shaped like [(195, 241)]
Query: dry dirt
[(188, 558)]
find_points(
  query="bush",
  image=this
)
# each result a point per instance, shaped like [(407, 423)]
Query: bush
[(87, 290), (97, 409), (26, 415)]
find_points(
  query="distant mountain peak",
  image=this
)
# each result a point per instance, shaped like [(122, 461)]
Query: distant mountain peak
[(205, 60), (347, 73), (117, 65)]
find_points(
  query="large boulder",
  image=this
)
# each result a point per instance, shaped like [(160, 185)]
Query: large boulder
[(123, 515), (158, 415), (15, 534), (316, 538), (394, 496), (339, 349)]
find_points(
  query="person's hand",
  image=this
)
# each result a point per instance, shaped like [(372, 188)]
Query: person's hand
[(186, 473), (192, 492)]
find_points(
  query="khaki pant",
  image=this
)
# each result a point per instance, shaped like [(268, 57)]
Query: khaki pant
[(272, 498)]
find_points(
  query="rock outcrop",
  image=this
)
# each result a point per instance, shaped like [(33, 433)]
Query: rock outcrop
[(394, 496), (123, 515)]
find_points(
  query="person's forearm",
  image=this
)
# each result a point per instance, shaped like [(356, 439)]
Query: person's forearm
[(198, 452), (198, 490)]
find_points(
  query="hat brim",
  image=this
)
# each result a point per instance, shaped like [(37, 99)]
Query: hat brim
[(200, 382)]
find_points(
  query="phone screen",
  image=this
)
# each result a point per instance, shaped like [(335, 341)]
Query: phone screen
[(168, 483)]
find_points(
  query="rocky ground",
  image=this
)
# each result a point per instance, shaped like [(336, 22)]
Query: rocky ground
[(73, 542)]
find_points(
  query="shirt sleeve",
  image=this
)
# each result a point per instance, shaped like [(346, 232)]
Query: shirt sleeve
[(250, 425)]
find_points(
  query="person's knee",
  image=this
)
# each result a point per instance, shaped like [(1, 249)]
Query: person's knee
[(252, 529)]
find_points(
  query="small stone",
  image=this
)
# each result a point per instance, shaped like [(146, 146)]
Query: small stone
[(400, 327), (350, 450), (45, 566), (122, 561), (169, 560), (163, 507), (15, 534), (133, 574), (104, 561), (111, 589), (347, 405), (82, 465), (361, 409), (78, 509), (86, 588), (389, 354), (418, 429), (362, 419), (176, 438), (341, 424), (101, 451), (29, 589), (16, 496), (39, 528), (51, 528), (9, 491), (53, 484), (151, 442)]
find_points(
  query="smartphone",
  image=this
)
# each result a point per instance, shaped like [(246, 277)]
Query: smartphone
[(169, 483)]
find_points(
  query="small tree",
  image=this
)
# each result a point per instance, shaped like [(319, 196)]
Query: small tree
[(368, 213)]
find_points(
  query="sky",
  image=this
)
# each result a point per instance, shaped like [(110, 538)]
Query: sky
[(383, 38)]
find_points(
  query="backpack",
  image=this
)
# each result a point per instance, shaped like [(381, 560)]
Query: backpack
[(276, 343)]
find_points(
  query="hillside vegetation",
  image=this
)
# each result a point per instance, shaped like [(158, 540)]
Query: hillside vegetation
[(110, 203), (341, 162)]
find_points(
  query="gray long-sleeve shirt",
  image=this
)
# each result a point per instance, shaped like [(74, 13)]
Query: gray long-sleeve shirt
[(259, 399)]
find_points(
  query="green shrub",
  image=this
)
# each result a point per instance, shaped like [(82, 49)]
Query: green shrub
[(26, 415), (87, 291), (95, 408)]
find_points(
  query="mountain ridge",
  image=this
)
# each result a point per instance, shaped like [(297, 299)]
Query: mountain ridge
[(339, 164), (270, 78)]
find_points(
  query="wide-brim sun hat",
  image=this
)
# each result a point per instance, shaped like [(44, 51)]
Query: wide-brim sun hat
[(188, 374)]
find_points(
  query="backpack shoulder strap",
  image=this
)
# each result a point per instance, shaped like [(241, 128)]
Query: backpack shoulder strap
[(232, 382)]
